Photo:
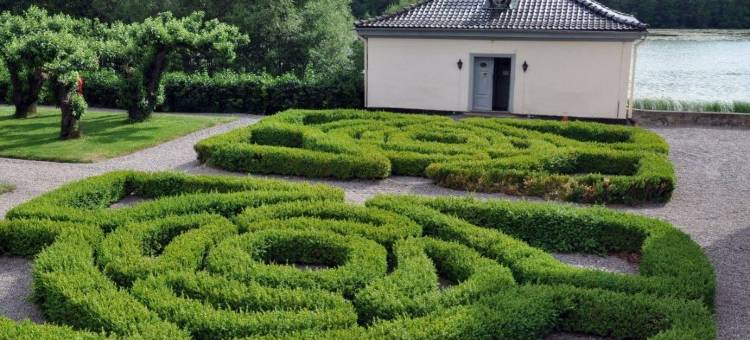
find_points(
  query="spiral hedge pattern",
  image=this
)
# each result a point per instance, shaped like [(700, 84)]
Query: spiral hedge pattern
[(225, 258), (573, 161)]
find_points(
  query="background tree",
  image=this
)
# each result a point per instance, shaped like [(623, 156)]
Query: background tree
[(57, 57), (26, 75), (141, 53), (287, 34)]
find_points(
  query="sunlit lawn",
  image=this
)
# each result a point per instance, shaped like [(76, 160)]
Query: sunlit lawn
[(105, 134)]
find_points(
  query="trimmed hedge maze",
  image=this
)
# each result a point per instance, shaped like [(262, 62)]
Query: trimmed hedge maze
[(573, 161), (224, 258)]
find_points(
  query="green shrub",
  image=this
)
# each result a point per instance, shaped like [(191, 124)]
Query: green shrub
[(518, 233), (238, 92), (571, 161), (221, 257)]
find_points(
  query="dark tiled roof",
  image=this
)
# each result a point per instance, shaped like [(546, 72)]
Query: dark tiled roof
[(524, 15)]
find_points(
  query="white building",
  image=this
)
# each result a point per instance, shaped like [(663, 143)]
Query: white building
[(537, 57)]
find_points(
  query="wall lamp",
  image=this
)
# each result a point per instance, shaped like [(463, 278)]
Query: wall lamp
[(525, 66), (460, 64)]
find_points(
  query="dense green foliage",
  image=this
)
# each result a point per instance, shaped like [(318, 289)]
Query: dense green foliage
[(239, 93), (141, 53), (226, 257), (288, 36), (56, 48), (575, 161), (108, 134), (38, 47)]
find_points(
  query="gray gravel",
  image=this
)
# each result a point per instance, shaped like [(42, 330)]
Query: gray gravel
[(15, 290), (33, 178), (612, 264), (710, 202)]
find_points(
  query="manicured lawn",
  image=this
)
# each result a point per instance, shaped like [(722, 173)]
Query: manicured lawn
[(106, 134)]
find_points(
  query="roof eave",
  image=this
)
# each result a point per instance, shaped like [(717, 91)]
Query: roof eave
[(627, 35)]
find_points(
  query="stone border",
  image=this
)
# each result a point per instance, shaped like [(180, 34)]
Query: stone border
[(675, 118)]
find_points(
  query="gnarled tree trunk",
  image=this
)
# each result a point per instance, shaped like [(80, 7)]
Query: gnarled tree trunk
[(69, 126), (140, 110), (25, 91)]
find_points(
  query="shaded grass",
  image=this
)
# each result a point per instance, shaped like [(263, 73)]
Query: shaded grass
[(666, 104), (106, 134)]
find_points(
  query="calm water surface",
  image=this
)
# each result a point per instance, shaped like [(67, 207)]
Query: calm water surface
[(694, 65)]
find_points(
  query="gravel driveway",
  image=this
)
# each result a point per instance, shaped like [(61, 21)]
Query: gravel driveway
[(710, 204)]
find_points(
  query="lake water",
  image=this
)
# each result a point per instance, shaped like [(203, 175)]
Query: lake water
[(694, 65)]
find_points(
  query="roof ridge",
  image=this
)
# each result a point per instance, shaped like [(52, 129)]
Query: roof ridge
[(613, 14), (396, 13)]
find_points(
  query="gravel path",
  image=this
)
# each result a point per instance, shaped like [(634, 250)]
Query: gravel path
[(710, 204), (33, 178)]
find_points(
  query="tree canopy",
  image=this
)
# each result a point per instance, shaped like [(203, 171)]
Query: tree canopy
[(38, 48), (289, 36), (140, 53)]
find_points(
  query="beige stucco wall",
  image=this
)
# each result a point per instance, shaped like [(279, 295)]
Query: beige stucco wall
[(573, 78)]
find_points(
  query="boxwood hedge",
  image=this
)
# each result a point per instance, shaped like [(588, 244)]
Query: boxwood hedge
[(572, 161), (223, 258)]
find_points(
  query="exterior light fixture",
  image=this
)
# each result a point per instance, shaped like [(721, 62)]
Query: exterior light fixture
[(460, 64), (525, 66)]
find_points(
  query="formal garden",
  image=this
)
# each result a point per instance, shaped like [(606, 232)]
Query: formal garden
[(218, 257), (581, 162), (168, 255)]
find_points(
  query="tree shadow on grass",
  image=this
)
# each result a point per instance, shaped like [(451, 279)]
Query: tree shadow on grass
[(113, 129), (24, 134), (39, 131)]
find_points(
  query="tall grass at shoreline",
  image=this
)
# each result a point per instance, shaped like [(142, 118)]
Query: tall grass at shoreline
[(666, 104), (6, 188)]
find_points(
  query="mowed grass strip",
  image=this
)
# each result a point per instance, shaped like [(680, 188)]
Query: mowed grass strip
[(105, 134)]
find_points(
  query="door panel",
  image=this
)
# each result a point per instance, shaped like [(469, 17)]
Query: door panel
[(483, 79), (503, 74)]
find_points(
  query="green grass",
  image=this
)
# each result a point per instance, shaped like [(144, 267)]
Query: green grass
[(667, 104), (105, 134), (6, 188)]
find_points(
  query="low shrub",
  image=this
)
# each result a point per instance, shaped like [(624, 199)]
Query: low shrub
[(571, 161), (222, 258)]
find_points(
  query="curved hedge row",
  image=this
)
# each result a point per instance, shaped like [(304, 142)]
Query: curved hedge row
[(575, 161), (222, 258)]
